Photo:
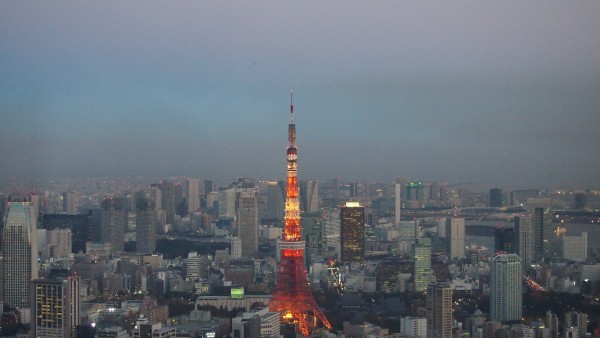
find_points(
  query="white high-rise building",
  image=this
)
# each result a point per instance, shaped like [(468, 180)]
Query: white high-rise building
[(414, 327), (575, 247), (506, 298), (457, 238), (236, 247), (69, 203), (57, 244), (196, 266), (193, 195), (19, 246), (227, 203)]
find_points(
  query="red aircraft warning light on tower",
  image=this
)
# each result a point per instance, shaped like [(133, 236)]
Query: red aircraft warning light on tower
[(292, 297)]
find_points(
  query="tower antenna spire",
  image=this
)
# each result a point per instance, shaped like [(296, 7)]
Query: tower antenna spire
[(291, 107)]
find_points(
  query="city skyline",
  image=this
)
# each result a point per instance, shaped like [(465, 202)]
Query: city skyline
[(503, 95)]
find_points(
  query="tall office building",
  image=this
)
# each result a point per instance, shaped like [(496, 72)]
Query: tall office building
[(331, 233), (397, 203), (422, 265), (168, 200), (19, 249), (524, 229), (68, 199), (180, 202), (506, 298), (352, 226), (538, 234), (275, 200), (145, 225), (209, 186), (193, 195), (56, 306), (309, 196), (575, 247), (495, 197), (113, 219), (335, 185), (247, 221), (457, 237), (506, 240), (227, 203), (439, 311), (312, 231), (414, 195)]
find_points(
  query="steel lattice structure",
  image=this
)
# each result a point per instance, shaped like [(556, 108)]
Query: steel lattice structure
[(292, 297)]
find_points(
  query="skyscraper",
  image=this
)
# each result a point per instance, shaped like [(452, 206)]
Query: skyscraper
[(439, 311), (397, 203), (69, 203), (227, 203), (114, 220), (56, 306), (422, 265), (168, 200), (275, 200), (145, 225), (209, 186), (335, 185), (457, 238), (352, 226), (495, 197), (193, 195), (506, 240), (524, 228), (309, 196), (538, 234), (247, 221), (505, 287), (19, 246), (575, 247)]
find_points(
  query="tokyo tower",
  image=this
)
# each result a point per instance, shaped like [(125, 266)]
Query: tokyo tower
[(292, 297)]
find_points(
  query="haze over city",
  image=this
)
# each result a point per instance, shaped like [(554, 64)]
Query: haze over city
[(500, 94)]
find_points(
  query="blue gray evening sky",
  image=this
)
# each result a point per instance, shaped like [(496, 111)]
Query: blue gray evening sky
[(502, 93)]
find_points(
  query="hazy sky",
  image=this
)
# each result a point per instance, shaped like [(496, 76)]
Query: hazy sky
[(503, 93)]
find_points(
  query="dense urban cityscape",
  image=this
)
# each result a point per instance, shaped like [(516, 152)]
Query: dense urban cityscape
[(278, 169), (189, 257)]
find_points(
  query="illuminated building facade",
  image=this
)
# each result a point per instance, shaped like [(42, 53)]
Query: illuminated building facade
[(352, 226), (422, 266), (56, 307), (292, 297)]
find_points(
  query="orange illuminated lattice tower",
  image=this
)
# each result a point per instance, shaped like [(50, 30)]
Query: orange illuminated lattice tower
[(292, 297)]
